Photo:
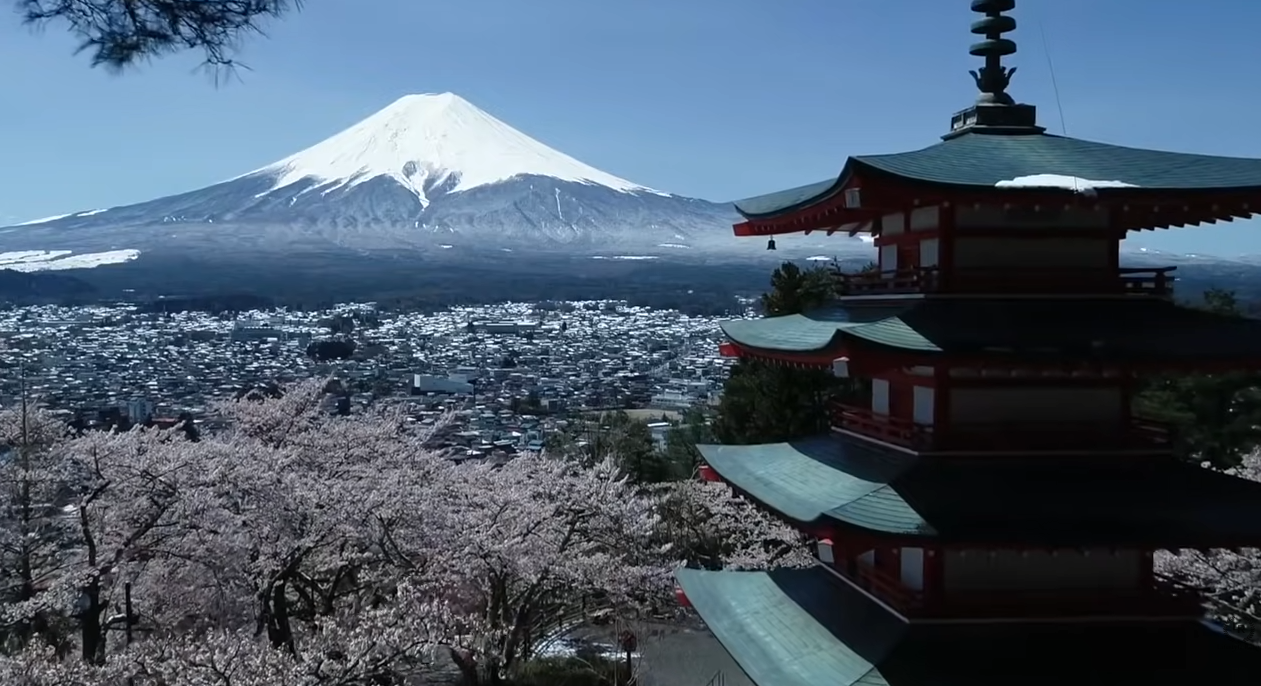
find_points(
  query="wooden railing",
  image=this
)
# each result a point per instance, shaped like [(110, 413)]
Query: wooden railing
[(887, 587), (1161, 599), (918, 280), (882, 427), (1157, 281), (1150, 281), (1136, 434)]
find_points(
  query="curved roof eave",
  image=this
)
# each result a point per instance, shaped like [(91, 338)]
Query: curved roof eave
[(794, 199), (793, 333), (980, 162)]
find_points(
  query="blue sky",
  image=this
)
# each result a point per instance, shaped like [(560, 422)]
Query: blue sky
[(710, 98)]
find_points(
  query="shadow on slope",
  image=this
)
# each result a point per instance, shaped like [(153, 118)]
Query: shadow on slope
[(43, 287)]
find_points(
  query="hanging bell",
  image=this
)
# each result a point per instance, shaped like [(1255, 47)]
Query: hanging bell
[(770, 244)]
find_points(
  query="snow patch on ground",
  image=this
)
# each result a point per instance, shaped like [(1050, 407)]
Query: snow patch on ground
[(1072, 183), (674, 245), (818, 258), (623, 257), (57, 260)]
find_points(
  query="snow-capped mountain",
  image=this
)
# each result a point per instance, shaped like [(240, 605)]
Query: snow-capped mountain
[(430, 194), (425, 142), (426, 171)]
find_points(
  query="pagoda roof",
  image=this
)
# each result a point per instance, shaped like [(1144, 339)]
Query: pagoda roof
[(1124, 329), (977, 160), (804, 627), (1092, 500)]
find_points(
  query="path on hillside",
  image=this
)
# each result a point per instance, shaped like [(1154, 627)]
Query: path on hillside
[(677, 653)]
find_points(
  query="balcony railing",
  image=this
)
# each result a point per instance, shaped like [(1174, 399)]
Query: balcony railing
[(1154, 281), (1160, 599), (918, 280), (1136, 434), (883, 585), (887, 587), (882, 427)]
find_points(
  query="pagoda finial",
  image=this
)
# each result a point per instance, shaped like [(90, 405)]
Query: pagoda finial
[(993, 78), (994, 111)]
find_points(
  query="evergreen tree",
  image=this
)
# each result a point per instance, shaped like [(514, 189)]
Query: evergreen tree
[(121, 33), (681, 441), (618, 435), (1216, 417), (764, 402), (794, 290)]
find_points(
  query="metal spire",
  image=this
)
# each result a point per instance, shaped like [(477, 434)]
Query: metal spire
[(993, 78), (995, 112)]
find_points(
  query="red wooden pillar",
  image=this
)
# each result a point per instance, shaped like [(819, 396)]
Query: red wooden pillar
[(946, 246), (1147, 570), (934, 577), (941, 404)]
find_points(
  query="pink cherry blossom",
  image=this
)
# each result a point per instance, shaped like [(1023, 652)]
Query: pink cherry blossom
[(291, 546), (1230, 578)]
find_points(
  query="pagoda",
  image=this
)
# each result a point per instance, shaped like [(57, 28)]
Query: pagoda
[(990, 512)]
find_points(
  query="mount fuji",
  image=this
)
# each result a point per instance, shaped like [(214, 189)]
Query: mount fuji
[(425, 172), (428, 181)]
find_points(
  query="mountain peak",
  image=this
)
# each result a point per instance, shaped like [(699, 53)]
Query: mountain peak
[(440, 99), (424, 140)]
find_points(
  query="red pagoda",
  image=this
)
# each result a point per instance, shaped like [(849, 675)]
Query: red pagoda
[(990, 515)]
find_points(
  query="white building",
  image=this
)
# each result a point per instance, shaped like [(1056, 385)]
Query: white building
[(139, 410)]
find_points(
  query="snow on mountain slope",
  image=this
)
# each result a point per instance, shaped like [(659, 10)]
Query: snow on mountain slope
[(426, 170), (58, 260), (426, 174), (420, 141)]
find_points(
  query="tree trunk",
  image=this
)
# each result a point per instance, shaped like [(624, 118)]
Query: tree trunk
[(91, 637), (280, 619), (274, 615), (467, 665)]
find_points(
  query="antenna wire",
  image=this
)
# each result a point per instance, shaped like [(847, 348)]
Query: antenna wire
[(1055, 86)]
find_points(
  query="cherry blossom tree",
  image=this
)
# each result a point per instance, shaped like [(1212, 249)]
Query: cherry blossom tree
[(31, 532), (256, 533), (292, 546), (1230, 577), (712, 527), (535, 539)]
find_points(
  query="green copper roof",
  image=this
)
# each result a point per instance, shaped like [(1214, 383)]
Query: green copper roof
[(978, 159), (821, 478), (804, 627), (1089, 501), (1124, 329), (814, 330), (776, 203), (766, 621)]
